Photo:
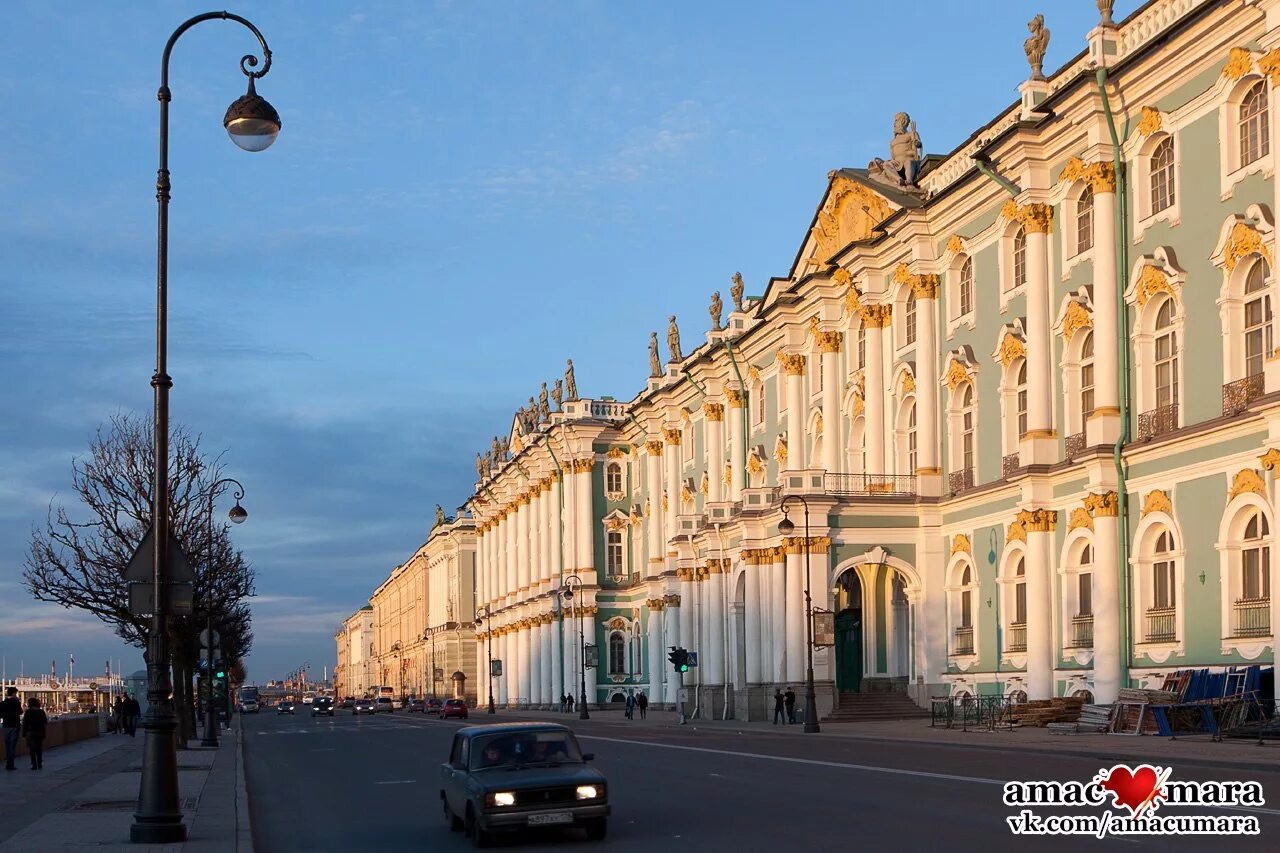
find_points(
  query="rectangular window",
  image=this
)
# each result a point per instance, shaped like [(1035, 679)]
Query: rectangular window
[(613, 554), (967, 443), (1086, 392), (1166, 371), (1020, 604), (1256, 583), (966, 609), (1165, 597), (1086, 594)]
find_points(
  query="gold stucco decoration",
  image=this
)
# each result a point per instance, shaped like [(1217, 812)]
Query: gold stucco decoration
[(1036, 217), (817, 422), (753, 373), (1100, 176), (956, 374), (1270, 459), (840, 275), (685, 414), (1010, 348), (666, 504), (713, 411), (583, 466), (1151, 121), (1270, 66), (960, 544), (1152, 281), (653, 448), (728, 474), (1038, 520), (908, 384), (780, 448), (876, 316), (1157, 501), (614, 524), (851, 212), (1077, 317), (792, 363), (827, 341), (671, 436), (1009, 210), (755, 463), (1239, 63), (686, 493), (705, 485), (924, 286), (1015, 533), (1105, 505), (955, 245), (1247, 480), (1244, 241), (617, 452), (1080, 517), (735, 397)]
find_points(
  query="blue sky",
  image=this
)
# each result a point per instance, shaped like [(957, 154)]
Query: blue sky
[(464, 194)]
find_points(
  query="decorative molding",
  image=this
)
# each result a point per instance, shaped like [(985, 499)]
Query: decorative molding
[(705, 485), (780, 448), (672, 436), (925, 286), (736, 398), (1247, 480), (1245, 241), (617, 452), (1239, 63), (793, 364), (1105, 505), (1270, 459), (1015, 533), (713, 411), (1035, 217), (653, 448), (1270, 66), (955, 245), (583, 466), (1080, 517), (1152, 281), (1151, 121), (828, 342), (1077, 317), (796, 544), (1038, 520), (1157, 501), (960, 544), (755, 461), (876, 316), (1010, 348), (956, 374), (908, 383), (1101, 176), (851, 212)]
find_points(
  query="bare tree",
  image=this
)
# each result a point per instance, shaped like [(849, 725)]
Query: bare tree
[(77, 559)]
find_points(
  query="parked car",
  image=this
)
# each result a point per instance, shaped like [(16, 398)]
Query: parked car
[(453, 708), (285, 707), (413, 705), (363, 706), (434, 706), (322, 706), (515, 776), (383, 703)]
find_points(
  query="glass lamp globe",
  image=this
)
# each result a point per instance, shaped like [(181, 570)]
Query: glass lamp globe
[(251, 122), (786, 526), (238, 514)]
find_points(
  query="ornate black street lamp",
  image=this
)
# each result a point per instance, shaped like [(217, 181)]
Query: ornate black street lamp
[(253, 125), (571, 583), (786, 527), (480, 620), (237, 514)]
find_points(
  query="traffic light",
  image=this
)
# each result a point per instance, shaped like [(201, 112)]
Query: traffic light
[(679, 659)]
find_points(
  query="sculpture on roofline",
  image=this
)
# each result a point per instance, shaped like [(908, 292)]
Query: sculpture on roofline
[(570, 383), (905, 154), (715, 309), (673, 339), (440, 518), (737, 290), (557, 394), (497, 451), (1036, 45), (544, 407), (533, 415), (655, 363), (480, 467)]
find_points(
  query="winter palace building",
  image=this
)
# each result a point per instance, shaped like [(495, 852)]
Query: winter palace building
[(1019, 401)]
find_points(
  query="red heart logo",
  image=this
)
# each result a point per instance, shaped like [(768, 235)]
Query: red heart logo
[(1134, 790)]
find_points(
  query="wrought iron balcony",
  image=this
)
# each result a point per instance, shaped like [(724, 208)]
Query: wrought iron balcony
[(870, 484), (1075, 445), (963, 643), (1157, 422), (959, 481), (1016, 637), (1253, 617), (1082, 631), (1009, 464), (1162, 624), (1237, 395)]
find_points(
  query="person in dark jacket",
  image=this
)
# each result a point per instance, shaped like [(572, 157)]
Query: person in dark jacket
[(117, 716), (642, 702), (132, 710), (34, 723), (777, 707), (789, 699), (10, 721)]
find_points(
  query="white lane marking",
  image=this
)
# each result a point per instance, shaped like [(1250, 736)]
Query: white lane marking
[(398, 782)]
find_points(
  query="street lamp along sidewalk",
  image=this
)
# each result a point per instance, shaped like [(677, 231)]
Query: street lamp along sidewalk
[(237, 514), (253, 125), (786, 527)]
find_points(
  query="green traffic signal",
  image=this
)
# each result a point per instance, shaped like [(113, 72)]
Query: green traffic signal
[(220, 674), (684, 667)]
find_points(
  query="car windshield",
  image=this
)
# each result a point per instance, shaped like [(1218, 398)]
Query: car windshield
[(522, 749)]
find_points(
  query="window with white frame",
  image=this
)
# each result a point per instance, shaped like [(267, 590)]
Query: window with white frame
[(1084, 220), (965, 288), (759, 404), (1084, 584), (1254, 133), (862, 346), (1164, 591), (906, 437), (912, 437), (966, 598), (962, 433), (909, 317), (1019, 259), (962, 615), (1086, 377), (1015, 639), (968, 427), (857, 445), (1020, 387), (1257, 318), (613, 480), (1160, 167), (613, 554), (1166, 356), (617, 654), (1255, 560)]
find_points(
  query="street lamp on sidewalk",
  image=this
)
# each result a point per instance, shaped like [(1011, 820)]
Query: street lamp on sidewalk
[(571, 583), (237, 514), (786, 527), (252, 124), (481, 616)]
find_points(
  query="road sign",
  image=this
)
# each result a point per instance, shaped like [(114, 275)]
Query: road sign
[(693, 659), (591, 656), (204, 638), (142, 599), (824, 628), (495, 668), (142, 564), (439, 674)]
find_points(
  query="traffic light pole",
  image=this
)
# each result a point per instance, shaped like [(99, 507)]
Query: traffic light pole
[(680, 697)]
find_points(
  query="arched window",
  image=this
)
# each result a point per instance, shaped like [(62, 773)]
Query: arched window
[(906, 437), (613, 478), (617, 654), (1161, 168), (1255, 560), (1166, 356), (966, 287), (1020, 258), (909, 316), (1084, 220), (761, 405), (966, 598), (911, 438), (968, 440), (1164, 596), (862, 346), (1255, 137), (1016, 636), (1257, 319), (1022, 397), (1084, 584), (1086, 378), (613, 554)]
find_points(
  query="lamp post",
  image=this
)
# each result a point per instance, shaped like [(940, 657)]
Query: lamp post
[(786, 527), (571, 583), (480, 620), (253, 125), (237, 514)]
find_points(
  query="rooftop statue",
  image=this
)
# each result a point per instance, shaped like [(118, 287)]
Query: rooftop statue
[(557, 394), (655, 363), (1036, 45), (905, 152), (570, 384), (716, 309), (440, 519), (673, 339), (497, 450), (533, 415), (544, 408), (480, 467), (737, 290)]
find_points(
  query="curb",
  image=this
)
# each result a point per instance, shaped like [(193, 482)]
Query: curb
[(244, 828)]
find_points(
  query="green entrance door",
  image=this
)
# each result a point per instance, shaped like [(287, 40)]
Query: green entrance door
[(849, 650)]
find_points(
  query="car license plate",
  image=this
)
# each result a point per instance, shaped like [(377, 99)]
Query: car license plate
[(549, 818)]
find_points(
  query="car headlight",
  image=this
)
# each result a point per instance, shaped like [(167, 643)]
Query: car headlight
[(590, 792), (502, 798)]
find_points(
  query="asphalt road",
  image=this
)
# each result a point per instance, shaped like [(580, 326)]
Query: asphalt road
[(347, 783)]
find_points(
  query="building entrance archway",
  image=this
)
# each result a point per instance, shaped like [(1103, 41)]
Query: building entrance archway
[(848, 650)]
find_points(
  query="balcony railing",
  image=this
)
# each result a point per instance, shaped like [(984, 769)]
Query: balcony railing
[(963, 644), (1082, 631), (1009, 464), (869, 484), (1162, 624), (959, 481), (608, 409), (1075, 445), (1157, 422), (1237, 395), (1016, 640), (1253, 617)]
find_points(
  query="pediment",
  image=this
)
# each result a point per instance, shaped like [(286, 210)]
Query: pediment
[(852, 209)]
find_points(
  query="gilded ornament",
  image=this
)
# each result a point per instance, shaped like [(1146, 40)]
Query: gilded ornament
[(1270, 66), (653, 448), (793, 364), (902, 273), (617, 452), (1077, 317), (1239, 63), (780, 448), (1009, 210), (827, 341), (877, 316), (817, 422), (1270, 459), (615, 524), (842, 276), (1244, 241), (1036, 217), (1015, 533), (705, 485), (960, 544), (1151, 121), (1038, 520), (713, 411), (955, 245), (956, 374), (753, 373), (859, 405), (908, 384), (852, 299), (735, 398), (686, 493), (1157, 501), (1152, 281), (685, 414), (1010, 348), (925, 286), (728, 474), (851, 213), (1247, 480), (1080, 517), (583, 466), (755, 462), (1101, 176), (1105, 505), (671, 436), (666, 504)]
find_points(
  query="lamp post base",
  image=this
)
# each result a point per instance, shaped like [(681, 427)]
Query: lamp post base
[(157, 833)]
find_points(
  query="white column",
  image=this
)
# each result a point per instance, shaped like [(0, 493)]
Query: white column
[(714, 614), (522, 548), (832, 421), (875, 318), (535, 540), (589, 629), (737, 462), (556, 658), (1104, 423), (688, 604), (500, 653), (927, 387), (795, 610), (1039, 524), (1042, 439), (754, 611), (482, 579), (555, 521), (545, 664), (671, 637), (585, 521), (1106, 597), (672, 459), (778, 618), (657, 651), (653, 524), (526, 669), (546, 537), (793, 367), (511, 582), (714, 425)]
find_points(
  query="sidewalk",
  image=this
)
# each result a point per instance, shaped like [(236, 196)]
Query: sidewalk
[(1185, 749), (86, 795)]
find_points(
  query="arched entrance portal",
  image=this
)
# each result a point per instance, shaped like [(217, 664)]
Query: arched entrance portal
[(849, 657)]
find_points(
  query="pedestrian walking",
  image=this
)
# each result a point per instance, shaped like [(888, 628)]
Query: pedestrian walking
[(34, 723), (564, 703), (790, 700), (132, 710), (10, 721), (642, 701), (631, 706), (777, 706), (117, 716), (570, 703)]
